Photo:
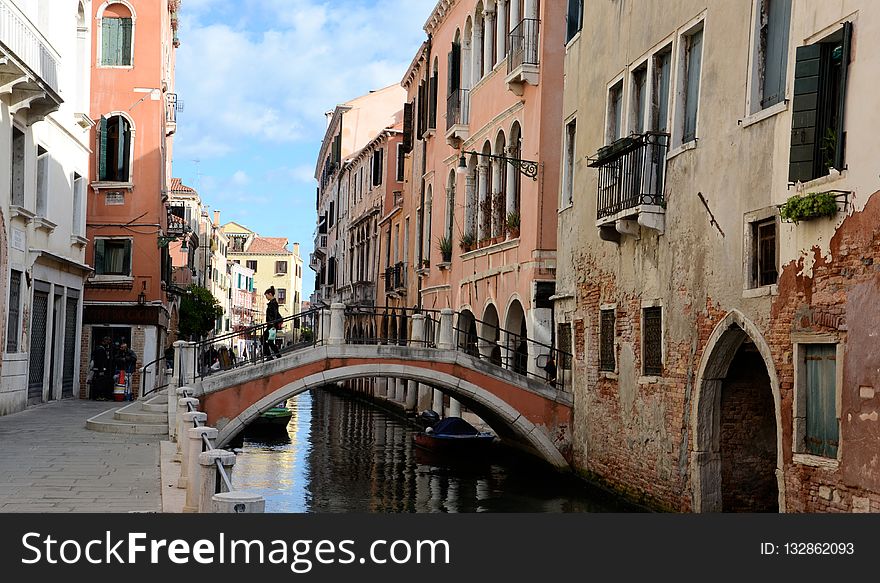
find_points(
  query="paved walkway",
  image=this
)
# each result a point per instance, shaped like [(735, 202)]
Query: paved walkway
[(50, 462)]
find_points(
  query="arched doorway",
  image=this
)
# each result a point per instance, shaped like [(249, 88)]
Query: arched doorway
[(467, 332), (737, 457), (517, 338), (489, 336)]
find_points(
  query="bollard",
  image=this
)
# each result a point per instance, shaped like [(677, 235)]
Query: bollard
[(324, 330), (187, 420), (195, 447), (210, 482), (337, 324), (238, 503), (181, 426), (417, 338), (174, 411), (447, 331)]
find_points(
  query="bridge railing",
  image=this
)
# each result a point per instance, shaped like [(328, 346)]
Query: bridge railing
[(253, 345), (155, 377), (390, 325)]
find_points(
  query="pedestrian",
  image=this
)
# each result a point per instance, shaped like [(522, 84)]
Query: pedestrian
[(102, 370), (273, 317), (550, 369), (125, 360)]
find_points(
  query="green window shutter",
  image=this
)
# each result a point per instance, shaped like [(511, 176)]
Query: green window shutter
[(776, 52), (106, 36), (126, 260), (805, 113), (112, 41), (125, 38), (407, 127), (841, 114), (102, 153), (124, 150), (432, 100), (99, 256), (823, 431)]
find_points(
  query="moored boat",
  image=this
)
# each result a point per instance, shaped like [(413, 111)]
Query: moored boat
[(453, 435)]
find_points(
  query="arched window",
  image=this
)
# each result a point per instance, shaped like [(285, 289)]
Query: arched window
[(82, 59), (117, 34), (114, 154)]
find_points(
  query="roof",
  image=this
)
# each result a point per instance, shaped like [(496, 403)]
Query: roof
[(178, 186), (268, 246)]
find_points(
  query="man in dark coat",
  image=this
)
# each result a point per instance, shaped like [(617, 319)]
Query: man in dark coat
[(273, 318), (102, 370)]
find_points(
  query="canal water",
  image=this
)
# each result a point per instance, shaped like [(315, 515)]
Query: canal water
[(341, 454)]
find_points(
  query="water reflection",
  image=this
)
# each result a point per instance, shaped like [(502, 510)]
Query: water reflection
[(339, 454)]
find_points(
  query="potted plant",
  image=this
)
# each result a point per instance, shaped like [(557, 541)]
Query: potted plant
[(513, 224), (426, 263), (467, 242), (446, 248), (809, 206)]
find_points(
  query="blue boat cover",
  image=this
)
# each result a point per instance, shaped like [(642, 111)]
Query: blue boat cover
[(454, 426)]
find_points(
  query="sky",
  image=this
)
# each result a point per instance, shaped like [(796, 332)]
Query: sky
[(256, 77)]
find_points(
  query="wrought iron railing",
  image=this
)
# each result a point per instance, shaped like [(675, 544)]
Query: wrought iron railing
[(631, 173), (524, 44), (458, 108), (395, 277)]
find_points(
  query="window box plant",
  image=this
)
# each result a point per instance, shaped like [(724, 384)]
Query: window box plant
[(813, 205), (445, 244), (513, 224), (467, 242)]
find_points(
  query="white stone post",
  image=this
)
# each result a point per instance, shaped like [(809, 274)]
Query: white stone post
[(477, 68), (187, 421), (178, 361), (496, 220), (381, 387), (412, 395), (325, 326), (417, 338), (447, 330), (238, 503), (488, 41), (482, 188), (180, 425), (337, 324), (512, 172), (425, 397), (400, 390), (437, 405), (515, 16), (470, 186), (454, 408), (210, 476), (501, 39), (194, 481), (188, 365)]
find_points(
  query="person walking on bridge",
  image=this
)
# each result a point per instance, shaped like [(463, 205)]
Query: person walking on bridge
[(273, 319)]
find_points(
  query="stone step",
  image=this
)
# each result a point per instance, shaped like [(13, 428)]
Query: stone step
[(106, 423), (140, 416), (160, 408)]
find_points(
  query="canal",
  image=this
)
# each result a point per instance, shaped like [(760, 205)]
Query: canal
[(340, 454)]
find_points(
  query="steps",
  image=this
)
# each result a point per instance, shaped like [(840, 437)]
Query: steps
[(138, 418)]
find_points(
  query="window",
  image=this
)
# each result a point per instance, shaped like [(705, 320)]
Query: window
[(772, 20), (14, 313), (42, 181), (568, 163), (280, 267), (113, 257), (400, 154), (660, 91), (331, 213), (693, 60), (116, 39), (615, 113), (575, 18), (281, 295), (79, 195), (639, 99), (432, 97), (563, 343), (606, 340), (763, 252), (18, 140), (652, 340), (115, 149), (818, 139), (816, 417), (251, 264), (378, 159)]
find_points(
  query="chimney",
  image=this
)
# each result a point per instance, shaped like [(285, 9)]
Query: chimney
[(296, 249), (216, 218)]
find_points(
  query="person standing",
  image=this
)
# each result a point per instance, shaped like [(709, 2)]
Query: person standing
[(102, 370), (125, 361), (273, 317)]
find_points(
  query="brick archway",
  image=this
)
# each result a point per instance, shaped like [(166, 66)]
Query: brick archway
[(706, 461)]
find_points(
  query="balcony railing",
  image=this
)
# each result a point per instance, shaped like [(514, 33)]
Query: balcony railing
[(458, 108), (523, 44), (631, 174), (395, 278), (19, 35)]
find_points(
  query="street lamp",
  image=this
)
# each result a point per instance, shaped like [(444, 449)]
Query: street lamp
[(527, 168)]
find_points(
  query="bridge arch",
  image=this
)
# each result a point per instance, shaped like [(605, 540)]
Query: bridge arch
[(500, 415)]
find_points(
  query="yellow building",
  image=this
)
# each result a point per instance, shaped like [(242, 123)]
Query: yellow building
[(273, 264)]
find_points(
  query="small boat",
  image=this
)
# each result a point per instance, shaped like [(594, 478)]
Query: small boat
[(276, 417), (454, 435)]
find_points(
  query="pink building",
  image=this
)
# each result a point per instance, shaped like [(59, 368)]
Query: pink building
[(484, 144)]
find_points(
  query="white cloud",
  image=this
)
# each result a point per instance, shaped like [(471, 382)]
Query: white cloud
[(240, 178), (273, 67)]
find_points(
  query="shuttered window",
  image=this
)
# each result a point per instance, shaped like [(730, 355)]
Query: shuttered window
[(575, 18), (378, 165), (660, 96), (42, 181), (774, 26), (454, 73), (606, 341), (693, 66), (115, 145), (652, 340), (432, 100), (116, 36), (407, 128), (14, 312), (400, 162), (113, 257), (820, 369), (18, 149), (818, 138)]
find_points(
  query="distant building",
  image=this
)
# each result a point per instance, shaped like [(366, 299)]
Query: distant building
[(184, 214)]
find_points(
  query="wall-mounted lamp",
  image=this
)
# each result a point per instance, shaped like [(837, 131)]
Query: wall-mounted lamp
[(527, 168), (142, 297)]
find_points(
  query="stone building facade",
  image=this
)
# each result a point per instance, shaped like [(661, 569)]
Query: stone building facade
[(722, 335)]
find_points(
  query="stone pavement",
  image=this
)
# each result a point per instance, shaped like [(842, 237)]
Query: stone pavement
[(50, 462)]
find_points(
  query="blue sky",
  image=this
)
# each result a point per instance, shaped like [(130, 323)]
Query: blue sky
[(256, 77)]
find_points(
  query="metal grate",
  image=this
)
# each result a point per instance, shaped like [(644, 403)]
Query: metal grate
[(652, 341), (563, 343), (12, 330), (523, 44), (631, 173), (70, 321), (38, 347), (606, 341)]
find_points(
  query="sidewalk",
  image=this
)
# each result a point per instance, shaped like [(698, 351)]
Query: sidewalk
[(50, 462)]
